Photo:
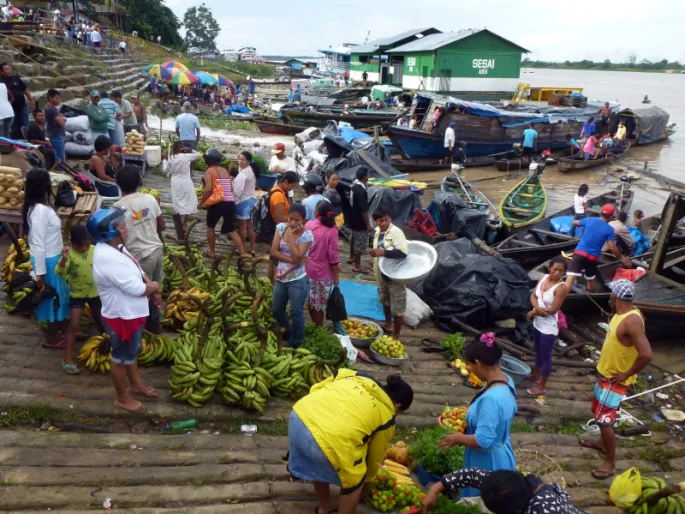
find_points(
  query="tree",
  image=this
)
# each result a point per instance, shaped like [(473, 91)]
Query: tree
[(633, 60), (201, 28), (606, 64), (152, 18)]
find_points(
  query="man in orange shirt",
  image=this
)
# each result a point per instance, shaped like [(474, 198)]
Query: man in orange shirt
[(279, 205)]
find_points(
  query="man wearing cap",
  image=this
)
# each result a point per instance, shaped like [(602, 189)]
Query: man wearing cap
[(97, 116), (626, 351), (188, 127), (586, 255), (140, 111), (280, 163)]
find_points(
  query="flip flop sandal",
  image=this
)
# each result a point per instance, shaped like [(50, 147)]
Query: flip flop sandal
[(136, 410), (153, 394), (542, 392), (70, 369), (208, 255), (591, 446), (363, 271), (59, 345), (602, 475)]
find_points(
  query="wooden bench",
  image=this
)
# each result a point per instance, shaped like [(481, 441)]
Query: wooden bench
[(13, 217), (86, 204)]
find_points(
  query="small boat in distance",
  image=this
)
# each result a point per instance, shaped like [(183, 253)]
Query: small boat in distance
[(568, 164), (526, 203)]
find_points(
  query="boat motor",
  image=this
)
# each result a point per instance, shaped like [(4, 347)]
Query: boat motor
[(457, 169)]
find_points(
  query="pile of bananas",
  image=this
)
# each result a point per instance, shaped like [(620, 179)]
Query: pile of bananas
[(183, 306), (16, 262), (96, 353), (155, 349), (152, 192), (673, 504)]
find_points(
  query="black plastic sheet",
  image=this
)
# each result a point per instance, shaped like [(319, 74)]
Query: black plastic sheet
[(451, 214), (475, 289)]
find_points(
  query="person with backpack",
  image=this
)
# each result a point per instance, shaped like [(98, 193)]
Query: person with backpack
[(218, 196)]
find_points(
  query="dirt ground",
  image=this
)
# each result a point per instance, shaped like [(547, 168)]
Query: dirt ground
[(94, 452)]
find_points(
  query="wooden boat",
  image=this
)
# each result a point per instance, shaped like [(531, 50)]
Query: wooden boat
[(275, 126), (525, 204), (358, 119), (419, 165), (660, 294), (484, 128), (538, 243), (517, 164), (476, 200), (568, 164)]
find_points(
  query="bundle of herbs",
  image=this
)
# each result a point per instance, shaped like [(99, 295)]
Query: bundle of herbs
[(321, 342), (424, 451), (453, 346)]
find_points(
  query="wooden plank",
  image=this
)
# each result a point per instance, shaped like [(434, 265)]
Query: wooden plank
[(552, 234)]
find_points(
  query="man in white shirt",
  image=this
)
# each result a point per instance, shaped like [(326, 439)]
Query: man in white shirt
[(96, 39), (188, 127), (450, 138), (122, 47), (144, 220), (280, 163), (6, 112)]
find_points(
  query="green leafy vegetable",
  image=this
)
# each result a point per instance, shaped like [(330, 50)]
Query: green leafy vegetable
[(321, 342), (425, 451), (453, 345), (447, 506)]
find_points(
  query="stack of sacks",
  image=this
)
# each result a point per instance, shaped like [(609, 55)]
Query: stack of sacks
[(11, 189), (135, 143), (78, 138)]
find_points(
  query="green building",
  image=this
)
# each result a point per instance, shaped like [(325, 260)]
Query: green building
[(473, 64), (372, 58)]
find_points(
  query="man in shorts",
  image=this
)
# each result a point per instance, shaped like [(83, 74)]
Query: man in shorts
[(626, 352), (140, 110), (390, 242), (586, 255), (357, 220), (529, 142)]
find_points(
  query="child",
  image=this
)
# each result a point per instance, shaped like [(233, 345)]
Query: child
[(389, 242), (313, 186), (76, 267)]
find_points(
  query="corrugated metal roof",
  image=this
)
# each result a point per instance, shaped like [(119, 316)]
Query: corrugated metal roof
[(374, 46), (435, 41)]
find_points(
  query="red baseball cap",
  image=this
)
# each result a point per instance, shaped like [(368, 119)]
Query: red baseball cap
[(608, 209), (278, 148)]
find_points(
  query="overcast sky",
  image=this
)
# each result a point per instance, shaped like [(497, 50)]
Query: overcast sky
[(554, 31)]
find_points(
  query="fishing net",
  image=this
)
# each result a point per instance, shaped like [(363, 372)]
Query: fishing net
[(536, 463)]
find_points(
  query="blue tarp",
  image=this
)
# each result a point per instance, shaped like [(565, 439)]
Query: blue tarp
[(349, 134), (562, 224), (362, 300), (241, 109), (641, 241)]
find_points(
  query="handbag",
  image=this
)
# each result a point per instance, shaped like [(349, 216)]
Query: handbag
[(217, 195)]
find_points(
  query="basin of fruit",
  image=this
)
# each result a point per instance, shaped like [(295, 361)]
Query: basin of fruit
[(361, 332), (388, 351), (470, 379), (453, 418)]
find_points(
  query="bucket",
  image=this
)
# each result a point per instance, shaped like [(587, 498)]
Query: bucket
[(154, 155), (426, 477), (516, 369)]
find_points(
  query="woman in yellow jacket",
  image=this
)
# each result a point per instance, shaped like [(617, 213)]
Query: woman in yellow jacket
[(338, 434)]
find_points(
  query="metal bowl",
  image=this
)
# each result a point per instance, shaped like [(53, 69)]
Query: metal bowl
[(388, 361), (421, 259), (365, 343)]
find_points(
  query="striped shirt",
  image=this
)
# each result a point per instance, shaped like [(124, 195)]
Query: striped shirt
[(112, 109), (227, 186)]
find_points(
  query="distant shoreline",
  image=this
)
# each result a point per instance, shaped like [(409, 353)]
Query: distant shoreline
[(597, 68)]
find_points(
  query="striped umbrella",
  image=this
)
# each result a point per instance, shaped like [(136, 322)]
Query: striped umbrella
[(183, 78), (206, 78), (161, 72), (176, 65), (223, 81)]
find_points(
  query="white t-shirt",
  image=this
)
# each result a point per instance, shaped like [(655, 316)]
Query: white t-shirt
[(141, 219), (95, 36), (122, 44), (5, 105), (56, 14), (579, 204), (120, 283), (45, 235), (449, 137), (286, 164)]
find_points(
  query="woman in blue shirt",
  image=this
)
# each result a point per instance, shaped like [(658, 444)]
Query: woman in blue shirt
[(589, 128), (487, 438)]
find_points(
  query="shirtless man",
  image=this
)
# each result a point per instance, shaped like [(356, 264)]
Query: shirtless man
[(141, 114), (625, 353)]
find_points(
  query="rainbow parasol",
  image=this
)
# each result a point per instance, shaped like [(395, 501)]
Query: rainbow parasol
[(206, 78), (223, 81), (183, 78), (176, 65)]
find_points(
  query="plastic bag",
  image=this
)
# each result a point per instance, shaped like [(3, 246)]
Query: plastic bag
[(561, 224), (416, 310), (335, 310), (346, 343), (626, 488)]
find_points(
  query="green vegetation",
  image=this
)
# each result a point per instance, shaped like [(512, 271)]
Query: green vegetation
[(236, 71), (201, 28), (453, 346), (321, 342), (425, 451), (221, 122), (631, 65), (18, 416), (569, 427), (447, 506), (522, 427), (152, 18), (661, 456)]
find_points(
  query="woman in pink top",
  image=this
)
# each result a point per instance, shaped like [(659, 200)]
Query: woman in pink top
[(590, 147), (323, 267)]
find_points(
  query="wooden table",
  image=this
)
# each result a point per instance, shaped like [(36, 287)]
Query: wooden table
[(13, 217), (86, 204)]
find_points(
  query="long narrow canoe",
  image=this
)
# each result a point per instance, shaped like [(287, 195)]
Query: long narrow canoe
[(567, 164), (524, 205), (538, 243), (475, 199)]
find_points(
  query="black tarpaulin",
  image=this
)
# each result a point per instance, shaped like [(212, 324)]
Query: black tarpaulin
[(477, 290), (451, 214), (645, 125)]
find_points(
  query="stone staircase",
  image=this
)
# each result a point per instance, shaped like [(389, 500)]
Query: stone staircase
[(74, 71)]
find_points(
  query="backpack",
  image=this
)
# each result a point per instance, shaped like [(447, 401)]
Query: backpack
[(66, 196), (262, 222)]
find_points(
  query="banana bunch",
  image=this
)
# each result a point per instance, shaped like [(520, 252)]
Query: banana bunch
[(184, 372), (209, 367), (250, 386), (154, 349), (152, 192), (13, 261), (674, 504), (96, 353), (185, 305), (18, 296)]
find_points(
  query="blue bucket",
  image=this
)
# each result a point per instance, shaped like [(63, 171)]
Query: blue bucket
[(515, 368), (426, 477), (265, 182)]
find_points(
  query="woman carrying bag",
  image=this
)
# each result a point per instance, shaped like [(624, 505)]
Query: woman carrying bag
[(218, 196)]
